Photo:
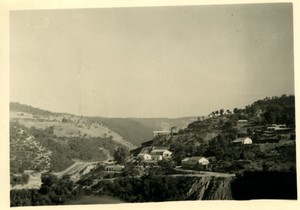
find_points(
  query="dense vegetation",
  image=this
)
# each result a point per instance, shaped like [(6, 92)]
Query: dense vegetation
[(212, 137), (25, 152), (265, 185), (63, 149), (19, 179), (52, 192), (146, 188), (280, 110)]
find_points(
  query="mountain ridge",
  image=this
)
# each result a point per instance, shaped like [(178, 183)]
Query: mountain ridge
[(133, 130)]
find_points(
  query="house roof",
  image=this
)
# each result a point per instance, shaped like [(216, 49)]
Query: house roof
[(143, 154), (160, 150), (114, 166), (282, 129), (185, 160), (242, 139), (193, 159), (196, 158)]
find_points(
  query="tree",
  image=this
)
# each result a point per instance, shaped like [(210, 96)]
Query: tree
[(213, 114), (121, 155), (47, 181), (221, 111)]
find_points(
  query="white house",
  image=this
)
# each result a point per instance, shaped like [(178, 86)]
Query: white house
[(242, 122), (144, 156), (244, 140), (195, 162), (114, 167), (159, 154)]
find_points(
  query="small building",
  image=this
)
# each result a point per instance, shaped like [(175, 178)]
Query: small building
[(161, 133), (149, 163), (276, 127), (159, 154), (109, 162), (113, 167), (195, 162), (144, 156), (244, 140), (242, 122)]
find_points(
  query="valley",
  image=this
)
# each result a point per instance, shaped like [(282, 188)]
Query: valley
[(217, 157)]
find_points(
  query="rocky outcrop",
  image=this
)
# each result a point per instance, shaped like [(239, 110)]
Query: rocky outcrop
[(211, 188)]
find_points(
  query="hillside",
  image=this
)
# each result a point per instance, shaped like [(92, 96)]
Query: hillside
[(262, 169), (133, 131), (63, 125), (41, 150), (65, 137), (130, 132), (214, 136)]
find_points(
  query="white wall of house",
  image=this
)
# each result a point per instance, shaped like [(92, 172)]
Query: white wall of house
[(160, 154), (144, 156), (247, 141), (194, 161)]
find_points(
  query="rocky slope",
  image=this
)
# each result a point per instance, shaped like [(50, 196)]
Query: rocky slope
[(211, 188)]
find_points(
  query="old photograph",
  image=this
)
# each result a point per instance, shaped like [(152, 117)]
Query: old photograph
[(152, 104)]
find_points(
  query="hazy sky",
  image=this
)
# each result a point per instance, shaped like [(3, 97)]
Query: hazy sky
[(151, 62)]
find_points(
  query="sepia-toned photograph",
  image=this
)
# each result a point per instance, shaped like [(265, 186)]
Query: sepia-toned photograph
[(152, 104)]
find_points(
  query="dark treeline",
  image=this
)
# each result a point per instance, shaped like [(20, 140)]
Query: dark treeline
[(156, 188), (265, 185), (148, 188), (280, 110), (19, 179), (53, 191)]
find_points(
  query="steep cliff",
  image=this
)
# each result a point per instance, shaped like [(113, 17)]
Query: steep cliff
[(211, 188), (159, 188)]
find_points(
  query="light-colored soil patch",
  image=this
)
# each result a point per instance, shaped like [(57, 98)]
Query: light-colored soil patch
[(77, 169), (33, 183)]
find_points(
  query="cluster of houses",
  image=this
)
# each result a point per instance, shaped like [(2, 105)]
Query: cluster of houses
[(151, 155), (195, 162), (148, 155), (270, 134)]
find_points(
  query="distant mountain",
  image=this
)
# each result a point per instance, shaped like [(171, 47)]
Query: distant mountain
[(132, 130), (63, 125), (139, 130), (157, 124)]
